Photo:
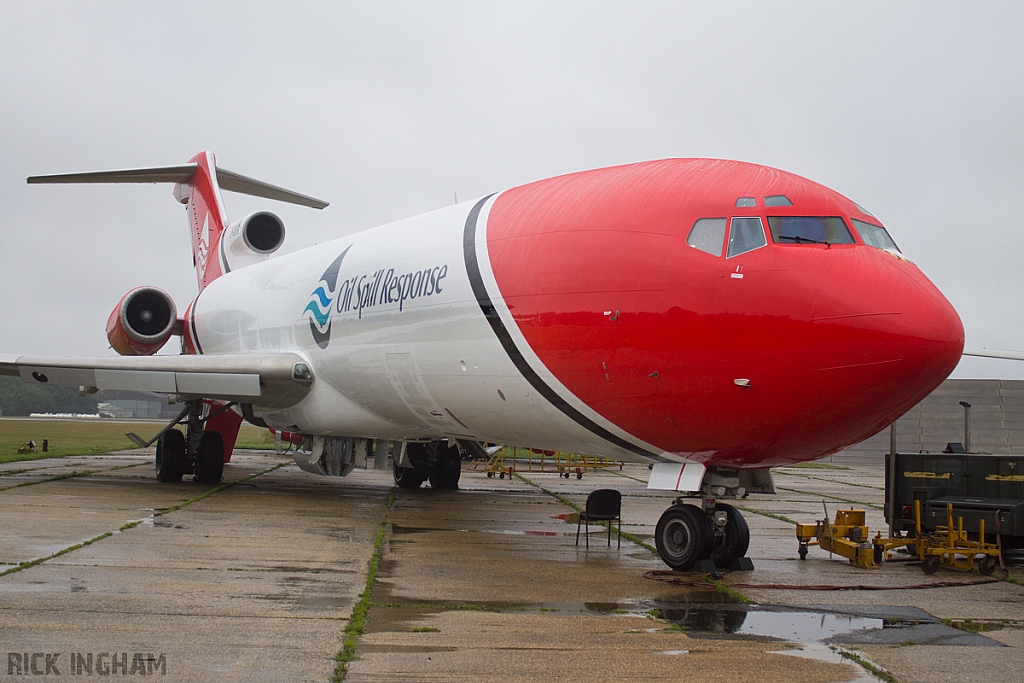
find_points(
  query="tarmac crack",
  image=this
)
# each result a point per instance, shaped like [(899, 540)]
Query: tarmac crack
[(188, 615), (834, 481), (836, 498)]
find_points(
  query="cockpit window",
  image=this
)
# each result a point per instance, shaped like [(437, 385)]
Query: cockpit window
[(746, 235), (777, 200), (708, 234), (874, 235), (809, 230), (746, 201)]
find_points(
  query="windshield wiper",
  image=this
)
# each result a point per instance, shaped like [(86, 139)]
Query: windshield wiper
[(799, 238)]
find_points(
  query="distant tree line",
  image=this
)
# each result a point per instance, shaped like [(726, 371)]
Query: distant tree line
[(18, 398)]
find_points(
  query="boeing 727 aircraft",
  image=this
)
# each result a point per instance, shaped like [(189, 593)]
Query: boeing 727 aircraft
[(713, 318)]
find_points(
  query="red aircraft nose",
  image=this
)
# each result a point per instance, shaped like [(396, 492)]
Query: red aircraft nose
[(884, 337)]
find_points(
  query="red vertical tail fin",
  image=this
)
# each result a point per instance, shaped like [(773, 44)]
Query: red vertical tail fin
[(207, 217)]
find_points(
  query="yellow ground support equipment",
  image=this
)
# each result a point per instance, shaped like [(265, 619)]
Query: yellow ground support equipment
[(848, 537), (493, 465), (948, 546), (512, 458)]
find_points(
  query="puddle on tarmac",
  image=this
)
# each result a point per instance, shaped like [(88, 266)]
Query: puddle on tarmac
[(697, 620), (403, 530), (783, 624)]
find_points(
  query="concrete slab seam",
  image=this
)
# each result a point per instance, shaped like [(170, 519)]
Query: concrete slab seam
[(357, 621), (865, 663)]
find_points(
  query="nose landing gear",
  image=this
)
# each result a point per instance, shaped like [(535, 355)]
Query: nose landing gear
[(687, 535)]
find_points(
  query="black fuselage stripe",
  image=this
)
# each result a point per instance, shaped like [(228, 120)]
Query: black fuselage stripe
[(531, 376), (192, 323)]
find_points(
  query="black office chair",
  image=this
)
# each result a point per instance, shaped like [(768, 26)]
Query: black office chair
[(603, 505)]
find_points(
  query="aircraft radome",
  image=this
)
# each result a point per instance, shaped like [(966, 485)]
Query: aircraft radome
[(713, 318)]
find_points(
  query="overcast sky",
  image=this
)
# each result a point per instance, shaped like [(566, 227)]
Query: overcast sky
[(387, 110)]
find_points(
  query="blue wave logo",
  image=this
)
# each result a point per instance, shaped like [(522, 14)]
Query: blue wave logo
[(321, 301)]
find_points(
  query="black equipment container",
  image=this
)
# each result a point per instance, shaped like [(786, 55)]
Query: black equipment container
[(989, 487)]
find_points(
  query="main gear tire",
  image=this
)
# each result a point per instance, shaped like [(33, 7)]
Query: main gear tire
[(210, 458), (170, 456), (448, 471)]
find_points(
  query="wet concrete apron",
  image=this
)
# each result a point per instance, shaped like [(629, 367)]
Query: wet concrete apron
[(258, 581), (252, 583)]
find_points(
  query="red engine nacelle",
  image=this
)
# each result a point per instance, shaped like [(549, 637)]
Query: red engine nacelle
[(142, 322)]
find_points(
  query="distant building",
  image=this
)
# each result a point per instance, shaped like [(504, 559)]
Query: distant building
[(130, 408)]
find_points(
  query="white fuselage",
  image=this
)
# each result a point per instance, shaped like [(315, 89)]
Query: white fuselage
[(410, 354)]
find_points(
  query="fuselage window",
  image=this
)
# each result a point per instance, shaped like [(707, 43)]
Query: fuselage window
[(809, 230), (874, 235), (708, 234), (746, 234), (777, 200)]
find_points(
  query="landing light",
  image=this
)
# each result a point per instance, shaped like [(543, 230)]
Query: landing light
[(302, 372)]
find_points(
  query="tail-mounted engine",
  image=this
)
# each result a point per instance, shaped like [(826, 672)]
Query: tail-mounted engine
[(251, 240), (142, 322)]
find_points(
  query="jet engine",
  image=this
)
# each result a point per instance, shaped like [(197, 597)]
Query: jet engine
[(142, 322), (252, 239)]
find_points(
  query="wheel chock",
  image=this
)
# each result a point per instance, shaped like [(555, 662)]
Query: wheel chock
[(705, 567), (742, 564)]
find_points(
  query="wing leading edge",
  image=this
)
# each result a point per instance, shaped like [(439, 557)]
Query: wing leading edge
[(995, 353), (272, 380)]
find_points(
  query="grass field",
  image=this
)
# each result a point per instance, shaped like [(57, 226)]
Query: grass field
[(74, 437)]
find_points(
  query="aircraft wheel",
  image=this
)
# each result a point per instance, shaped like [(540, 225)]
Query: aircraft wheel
[(448, 470), (683, 536), (170, 456), (406, 477), (210, 459), (732, 541)]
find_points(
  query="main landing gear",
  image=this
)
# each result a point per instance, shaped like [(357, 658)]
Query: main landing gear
[(439, 462), (687, 535), (199, 452)]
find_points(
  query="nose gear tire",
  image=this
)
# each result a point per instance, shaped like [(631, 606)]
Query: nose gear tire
[(684, 536)]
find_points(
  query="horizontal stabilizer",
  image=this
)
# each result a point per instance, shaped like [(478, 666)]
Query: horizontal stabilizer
[(233, 182), (182, 173), (159, 174)]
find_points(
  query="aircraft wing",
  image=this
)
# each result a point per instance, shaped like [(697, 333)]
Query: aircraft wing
[(995, 353), (273, 380)]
